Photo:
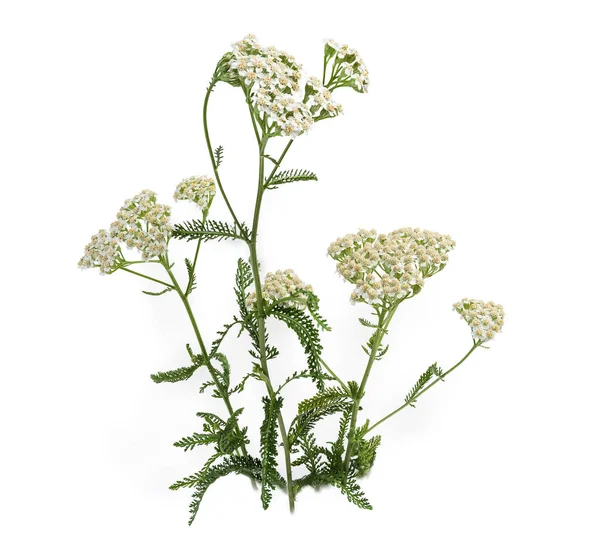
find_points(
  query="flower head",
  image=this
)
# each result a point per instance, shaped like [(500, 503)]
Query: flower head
[(141, 224), (101, 252), (282, 285), (389, 268), (200, 190), (271, 78), (484, 318)]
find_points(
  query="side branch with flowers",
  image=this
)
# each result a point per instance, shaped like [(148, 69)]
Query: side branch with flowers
[(385, 270)]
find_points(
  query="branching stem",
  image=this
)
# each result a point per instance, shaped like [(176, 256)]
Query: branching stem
[(211, 369), (383, 321), (260, 311), (412, 401)]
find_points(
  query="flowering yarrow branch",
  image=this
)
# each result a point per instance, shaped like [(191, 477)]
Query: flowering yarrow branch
[(484, 318), (141, 224), (384, 269), (389, 268)]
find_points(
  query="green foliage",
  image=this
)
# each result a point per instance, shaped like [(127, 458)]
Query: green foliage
[(226, 436), (203, 479), (191, 277), (268, 449), (363, 451), (312, 304), (308, 335), (216, 344), (218, 155), (327, 402), (432, 370), (354, 493), (367, 323), (240, 386), (290, 176), (381, 350), (205, 385), (323, 399), (174, 376), (222, 376), (354, 389), (366, 451), (168, 289), (210, 230), (304, 374), (188, 443)]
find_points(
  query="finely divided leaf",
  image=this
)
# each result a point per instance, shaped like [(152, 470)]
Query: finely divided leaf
[(290, 176)]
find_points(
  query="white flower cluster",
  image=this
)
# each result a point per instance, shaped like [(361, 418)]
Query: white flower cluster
[(200, 190), (348, 70), (273, 79), (102, 252), (388, 268), (141, 224), (485, 318), (280, 285)]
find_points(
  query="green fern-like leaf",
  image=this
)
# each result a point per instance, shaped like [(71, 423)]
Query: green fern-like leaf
[(308, 335), (432, 370), (354, 493), (304, 374), (365, 451), (188, 443), (202, 480), (218, 156), (223, 375), (168, 289), (303, 423), (290, 176), (323, 399), (367, 323), (174, 376), (268, 449), (210, 230), (191, 277)]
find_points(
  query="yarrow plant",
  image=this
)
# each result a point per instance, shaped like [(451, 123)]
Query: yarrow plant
[(384, 270)]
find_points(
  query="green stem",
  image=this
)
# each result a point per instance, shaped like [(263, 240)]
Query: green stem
[(147, 277), (343, 385), (385, 316), (222, 391), (260, 315), (440, 378), (212, 156)]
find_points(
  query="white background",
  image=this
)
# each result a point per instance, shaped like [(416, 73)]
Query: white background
[(482, 122)]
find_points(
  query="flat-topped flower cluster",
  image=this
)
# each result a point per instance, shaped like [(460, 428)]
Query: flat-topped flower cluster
[(389, 268), (200, 190), (272, 79), (141, 224), (484, 318), (282, 285)]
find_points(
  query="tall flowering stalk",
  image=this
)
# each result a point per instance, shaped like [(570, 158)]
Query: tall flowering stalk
[(384, 269)]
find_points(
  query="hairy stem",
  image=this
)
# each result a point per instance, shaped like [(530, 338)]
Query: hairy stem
[(260, 315), (212, 156), (222, 391), (440, 378), (385, 316)]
